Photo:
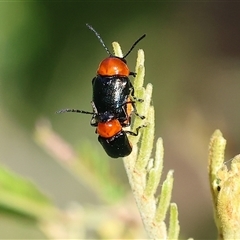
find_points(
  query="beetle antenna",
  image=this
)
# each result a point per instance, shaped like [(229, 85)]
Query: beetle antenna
[(74, 110), (133, 46), (99, 38)]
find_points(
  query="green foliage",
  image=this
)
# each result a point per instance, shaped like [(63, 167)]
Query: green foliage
[(22, 196), (143, 172), (225, 188)]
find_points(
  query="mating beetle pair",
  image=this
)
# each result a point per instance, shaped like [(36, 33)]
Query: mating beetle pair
[(113, 102)]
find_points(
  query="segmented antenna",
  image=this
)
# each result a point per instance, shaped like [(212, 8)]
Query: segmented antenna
[(101, 41), (94, 113), (74, 110), (99, 38), (133, 46)]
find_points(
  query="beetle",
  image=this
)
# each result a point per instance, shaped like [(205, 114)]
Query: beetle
[(110, 132), (112, 88), (114, 139)]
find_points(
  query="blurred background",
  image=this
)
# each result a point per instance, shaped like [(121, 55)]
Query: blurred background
[(48, 58)]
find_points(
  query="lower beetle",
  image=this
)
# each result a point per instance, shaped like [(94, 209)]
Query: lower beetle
[(114, 139)]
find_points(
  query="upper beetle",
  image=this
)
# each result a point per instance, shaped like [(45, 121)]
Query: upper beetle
[(112, 88)]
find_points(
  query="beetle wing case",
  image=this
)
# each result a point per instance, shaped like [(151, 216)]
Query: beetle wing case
[(110, 94), (116, 146)]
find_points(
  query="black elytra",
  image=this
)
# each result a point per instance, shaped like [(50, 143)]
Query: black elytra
[(111, 94), (118, 145)]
